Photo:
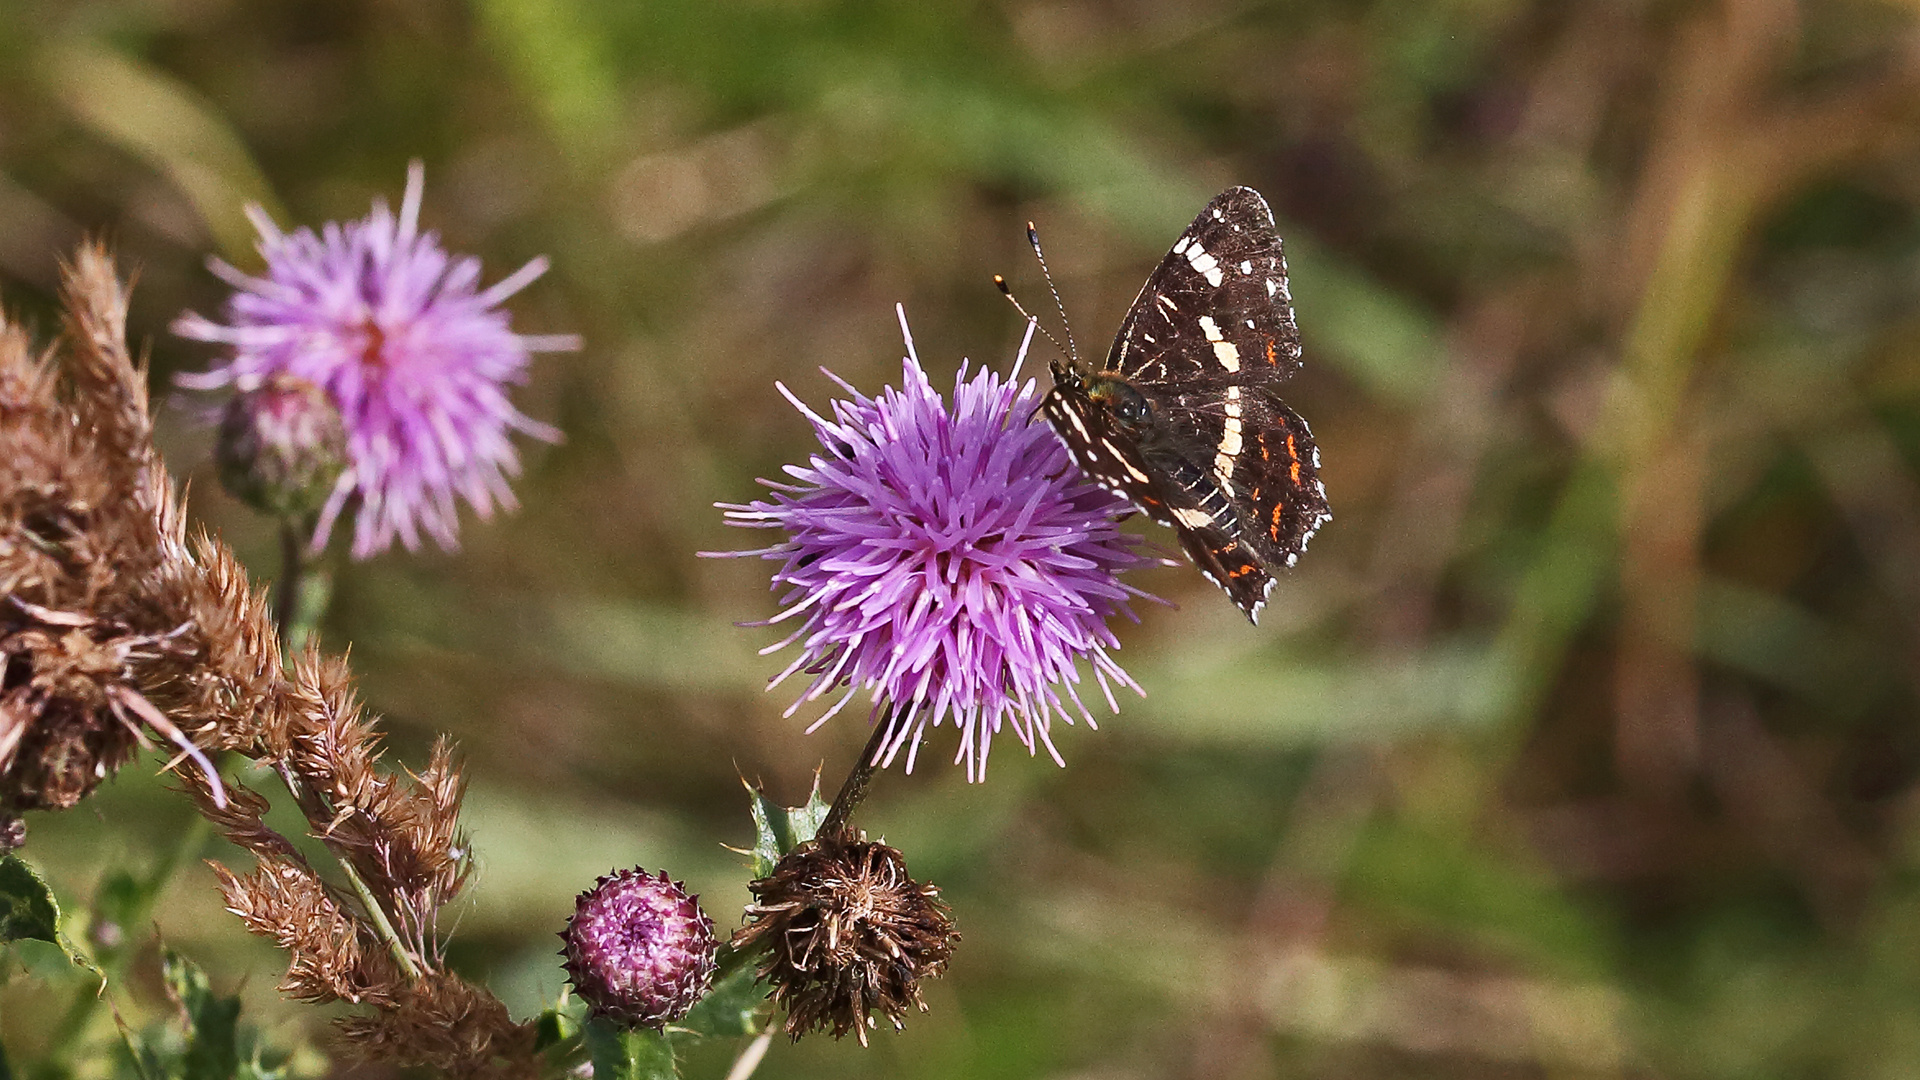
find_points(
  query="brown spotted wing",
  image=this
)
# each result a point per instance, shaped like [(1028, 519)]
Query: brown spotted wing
[(1184, 418)]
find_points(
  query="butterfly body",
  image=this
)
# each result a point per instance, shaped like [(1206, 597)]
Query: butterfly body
[(1184, 418)]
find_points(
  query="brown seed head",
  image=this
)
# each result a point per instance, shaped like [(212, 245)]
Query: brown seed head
[(848, 933)]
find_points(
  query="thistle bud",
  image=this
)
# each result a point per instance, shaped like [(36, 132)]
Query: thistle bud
[(282, 447), (639, 949), (847, 933)]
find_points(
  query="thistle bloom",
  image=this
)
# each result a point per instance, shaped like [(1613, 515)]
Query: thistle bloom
[(950, 561), (414, 355)]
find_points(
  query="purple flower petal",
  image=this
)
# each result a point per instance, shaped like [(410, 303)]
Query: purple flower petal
[(949, 560), (392, 328)]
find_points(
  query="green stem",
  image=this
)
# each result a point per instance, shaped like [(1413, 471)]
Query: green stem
[(860, 779), (286, 591), (381, 924), (304, 589), (376, 914)]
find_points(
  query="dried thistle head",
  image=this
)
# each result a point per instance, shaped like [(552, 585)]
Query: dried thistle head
[(639, 949), (848, 933), (84, 542), (60, 731)]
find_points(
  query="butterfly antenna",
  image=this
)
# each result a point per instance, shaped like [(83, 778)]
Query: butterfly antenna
[(1033, 237), (1007, 291)]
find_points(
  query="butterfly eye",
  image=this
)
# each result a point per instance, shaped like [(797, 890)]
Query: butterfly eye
[(1132, 409)]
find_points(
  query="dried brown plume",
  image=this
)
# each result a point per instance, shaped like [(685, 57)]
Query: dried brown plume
[(114, 625)]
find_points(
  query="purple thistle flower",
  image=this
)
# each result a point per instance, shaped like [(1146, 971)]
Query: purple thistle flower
[(416, 358), (952, 562)]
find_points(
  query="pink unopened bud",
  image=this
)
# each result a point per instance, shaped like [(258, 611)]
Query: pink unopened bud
[(639, 949), (282, 447)]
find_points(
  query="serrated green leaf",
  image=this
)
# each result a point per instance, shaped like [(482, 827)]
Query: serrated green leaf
[(145, 1059), (804, 821), (779, 829), (27, 907), (263, 1064), (559, 1022), (212, 1021), (620, 1053), (730, 1008), (28, 911)]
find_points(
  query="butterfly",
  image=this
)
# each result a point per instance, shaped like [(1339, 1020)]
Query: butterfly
[(1185, 419)]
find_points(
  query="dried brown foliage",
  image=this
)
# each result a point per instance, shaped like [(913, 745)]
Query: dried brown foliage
[(84, 533), (115, 624)]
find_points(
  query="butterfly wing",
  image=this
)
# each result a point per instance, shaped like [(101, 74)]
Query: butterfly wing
[(1222, 459), (1217, 309), (1105, 453), (1166, 481), (1261, 456)]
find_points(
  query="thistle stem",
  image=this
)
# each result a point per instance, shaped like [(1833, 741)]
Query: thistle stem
[(860, 778), (286, 599), (304, 588)]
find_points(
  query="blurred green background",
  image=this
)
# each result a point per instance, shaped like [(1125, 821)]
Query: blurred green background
[(1582, 744)]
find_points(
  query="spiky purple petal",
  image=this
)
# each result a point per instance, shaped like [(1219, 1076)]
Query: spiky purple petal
[(416, 358), (948, 560)]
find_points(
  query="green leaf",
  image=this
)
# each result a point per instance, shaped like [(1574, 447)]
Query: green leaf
[(262, 1064), (779, 829), (620, 1053), (730, 1008), (144, 1057), (27, 907), (559, 1022), (212, 1048)]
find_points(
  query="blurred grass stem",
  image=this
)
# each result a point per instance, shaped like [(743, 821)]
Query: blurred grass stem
[(749, 1060), (87, 996)]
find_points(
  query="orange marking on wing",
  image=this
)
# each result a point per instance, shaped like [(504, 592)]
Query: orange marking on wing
[(1271, 357), (1294, 470)]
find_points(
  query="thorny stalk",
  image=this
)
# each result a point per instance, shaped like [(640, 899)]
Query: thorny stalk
[(860, 778)]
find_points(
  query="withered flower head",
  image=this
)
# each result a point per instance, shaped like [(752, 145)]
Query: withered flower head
[(848, 934), (90, 623), (282, 447), (639, 949)]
